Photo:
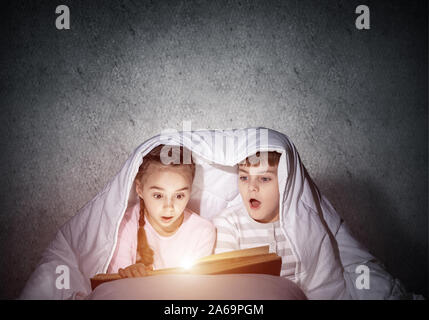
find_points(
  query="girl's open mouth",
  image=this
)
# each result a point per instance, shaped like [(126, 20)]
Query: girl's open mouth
[(254, 204)]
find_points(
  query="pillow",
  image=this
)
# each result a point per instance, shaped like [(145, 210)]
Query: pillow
[(199, 287)]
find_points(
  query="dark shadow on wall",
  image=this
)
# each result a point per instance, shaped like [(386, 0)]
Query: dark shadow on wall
[(17, 241), (376, 224)]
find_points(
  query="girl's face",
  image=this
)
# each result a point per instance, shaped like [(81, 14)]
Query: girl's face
[(165, 192), (259, 190)]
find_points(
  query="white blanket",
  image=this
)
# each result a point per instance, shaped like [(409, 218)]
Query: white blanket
[(320, 240)]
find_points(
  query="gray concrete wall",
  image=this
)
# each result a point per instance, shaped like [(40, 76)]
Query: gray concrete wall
[(75, 103)]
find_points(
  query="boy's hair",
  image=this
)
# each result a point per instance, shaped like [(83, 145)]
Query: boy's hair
[(272, 157), (154, 156)]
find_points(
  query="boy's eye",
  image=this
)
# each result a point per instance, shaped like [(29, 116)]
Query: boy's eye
[(180, 196), (157, 195)]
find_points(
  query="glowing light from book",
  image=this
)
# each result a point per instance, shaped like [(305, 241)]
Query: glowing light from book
[(187, 263)]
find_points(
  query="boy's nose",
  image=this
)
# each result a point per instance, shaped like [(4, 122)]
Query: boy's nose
[(253, 187)]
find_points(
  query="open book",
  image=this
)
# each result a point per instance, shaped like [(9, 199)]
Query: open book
[(253, 260)]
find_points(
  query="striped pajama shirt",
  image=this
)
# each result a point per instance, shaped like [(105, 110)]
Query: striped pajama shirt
[(237, 230)]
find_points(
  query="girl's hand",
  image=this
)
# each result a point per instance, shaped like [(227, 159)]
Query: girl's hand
[(133, 271)]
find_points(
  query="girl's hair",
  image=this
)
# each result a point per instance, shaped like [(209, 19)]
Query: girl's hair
[(154, 156)]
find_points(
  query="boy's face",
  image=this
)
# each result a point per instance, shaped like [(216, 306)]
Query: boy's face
[(259, 190)]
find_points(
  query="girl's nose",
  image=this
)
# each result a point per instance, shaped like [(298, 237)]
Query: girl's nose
[(168, 203)]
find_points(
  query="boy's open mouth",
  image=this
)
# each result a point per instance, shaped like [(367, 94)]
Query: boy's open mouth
[(254, 204)]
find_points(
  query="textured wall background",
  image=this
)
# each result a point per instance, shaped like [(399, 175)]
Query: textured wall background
[(75, 103)]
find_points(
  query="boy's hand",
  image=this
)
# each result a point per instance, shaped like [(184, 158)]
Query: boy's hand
[(133, 271)]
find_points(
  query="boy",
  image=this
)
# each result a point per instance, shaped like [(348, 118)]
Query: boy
[(318, 253), (257, 222)]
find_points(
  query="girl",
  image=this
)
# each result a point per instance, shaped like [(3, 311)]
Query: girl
[(169, 235)]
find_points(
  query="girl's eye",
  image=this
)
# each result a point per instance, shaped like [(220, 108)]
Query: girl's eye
[(157, 196), (180, 196), (243, 178), (265, 179)]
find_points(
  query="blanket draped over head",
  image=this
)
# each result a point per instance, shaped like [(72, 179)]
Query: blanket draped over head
[(331, 260)]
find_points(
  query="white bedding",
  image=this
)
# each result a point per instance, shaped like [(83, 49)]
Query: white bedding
[(199, 287), (327, 252)]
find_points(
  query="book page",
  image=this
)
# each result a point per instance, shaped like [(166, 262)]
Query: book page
[(235, 253)]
